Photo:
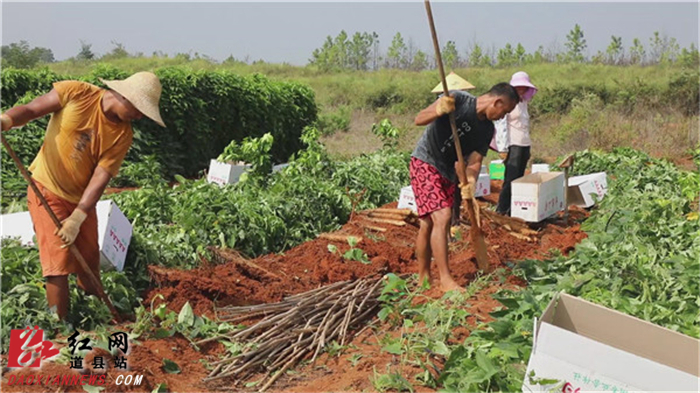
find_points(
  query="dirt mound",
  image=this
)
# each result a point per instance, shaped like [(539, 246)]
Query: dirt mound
[(230, 279), (270, 278)]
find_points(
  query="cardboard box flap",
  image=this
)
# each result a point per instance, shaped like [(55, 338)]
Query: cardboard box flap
[(586, 365), (624, 332), (536, 178)]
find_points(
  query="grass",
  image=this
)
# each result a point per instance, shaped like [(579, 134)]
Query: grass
[(668, 135), (643, 108)]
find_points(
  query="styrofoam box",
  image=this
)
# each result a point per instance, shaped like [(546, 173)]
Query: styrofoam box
[(586, 347), (484, 169), (223, 173), (483, 185), (582, 188), (114, 235), (537, 196), (279, 167), (18, 225), (407, 200), (536, 168), (113, 230)]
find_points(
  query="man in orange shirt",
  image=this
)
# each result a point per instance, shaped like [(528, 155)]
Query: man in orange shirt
[(86, 141)]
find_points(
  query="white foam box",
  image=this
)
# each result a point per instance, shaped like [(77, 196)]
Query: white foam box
[(223, 173), (484, 169), (537, 196), (581, 346), (407, 200), (483, 185), (113, 230), (279, 167), (114, 235), (18, 225), (536, 168), (582, 189)]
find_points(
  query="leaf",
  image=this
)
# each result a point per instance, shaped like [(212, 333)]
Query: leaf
[(502, 327), (383, 313), (93, 388), (161, 388), (186, 315), (441, 348), (485, 363), (332, 248), (251, 384), (393, 348), (393, 282), (170, 367), (163, 333)]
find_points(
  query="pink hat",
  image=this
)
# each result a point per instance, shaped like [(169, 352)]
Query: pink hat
[(521, 78)]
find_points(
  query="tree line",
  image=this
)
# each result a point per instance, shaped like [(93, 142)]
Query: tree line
[(361, 51)]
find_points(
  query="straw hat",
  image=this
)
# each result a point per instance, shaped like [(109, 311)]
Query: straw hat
[(454, 82), (521, 78), (143, 91)]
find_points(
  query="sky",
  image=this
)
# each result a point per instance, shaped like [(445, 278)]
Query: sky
[(290, 31)]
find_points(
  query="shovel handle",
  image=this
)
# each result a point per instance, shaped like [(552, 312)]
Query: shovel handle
[(453, 124), (73, 249)]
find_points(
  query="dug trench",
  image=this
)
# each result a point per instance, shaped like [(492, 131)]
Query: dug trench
[(230, 279)]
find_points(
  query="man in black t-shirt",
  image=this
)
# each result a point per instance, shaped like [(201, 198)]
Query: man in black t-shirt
[(433, 173)]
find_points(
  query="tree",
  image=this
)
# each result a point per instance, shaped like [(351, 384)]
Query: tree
[(520, 54), (408, 54), (376, 58), (321, 57), (476, 56), (43, 54), (118, 52), (575, 44), (663, 49), (615, 51), (537, 57), (420, 61), (506, 56), (360, 48), (20, 55), (396, 52), (342, 53), (85, 51), (340, 50), (450, 56), (637, 52), (690, 57), (600, 58)]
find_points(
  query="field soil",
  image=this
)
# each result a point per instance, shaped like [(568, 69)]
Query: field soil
[(230, 279)]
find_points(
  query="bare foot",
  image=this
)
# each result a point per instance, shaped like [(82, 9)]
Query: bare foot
[(423, 279), (451, 285)]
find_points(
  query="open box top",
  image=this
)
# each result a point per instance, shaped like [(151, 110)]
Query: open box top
[(578, 342)]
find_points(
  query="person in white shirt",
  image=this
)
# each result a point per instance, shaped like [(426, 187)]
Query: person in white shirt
[(518, 138)]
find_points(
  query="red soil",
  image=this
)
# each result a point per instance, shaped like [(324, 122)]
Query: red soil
[(271, 277)]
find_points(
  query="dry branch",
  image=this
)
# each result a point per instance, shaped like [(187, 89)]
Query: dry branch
[(387, 221), (339, 237), (298, 327)]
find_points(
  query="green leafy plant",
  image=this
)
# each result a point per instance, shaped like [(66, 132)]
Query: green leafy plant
[(387, 133), (253, 151), (355, 254), (390, 381)]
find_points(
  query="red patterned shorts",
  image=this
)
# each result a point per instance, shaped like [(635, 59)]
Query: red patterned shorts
[(431, 190)]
